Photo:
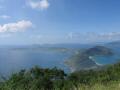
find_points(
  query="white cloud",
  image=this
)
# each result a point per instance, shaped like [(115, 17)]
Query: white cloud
[(14, 27), (93, 37), (70, 35), (5, 17), (41, 4)]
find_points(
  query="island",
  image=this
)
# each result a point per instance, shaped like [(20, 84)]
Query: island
[(84, 61)]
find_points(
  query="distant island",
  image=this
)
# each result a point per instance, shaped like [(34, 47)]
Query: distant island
[(83, 60)]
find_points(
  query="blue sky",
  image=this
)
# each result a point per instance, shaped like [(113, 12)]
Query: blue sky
[(58, 21)]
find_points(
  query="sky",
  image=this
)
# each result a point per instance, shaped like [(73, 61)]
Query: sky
[(24, 22)]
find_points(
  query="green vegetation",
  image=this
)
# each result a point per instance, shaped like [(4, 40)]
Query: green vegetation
[(55, 79)]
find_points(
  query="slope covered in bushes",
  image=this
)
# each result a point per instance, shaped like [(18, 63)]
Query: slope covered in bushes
[(55, 79)]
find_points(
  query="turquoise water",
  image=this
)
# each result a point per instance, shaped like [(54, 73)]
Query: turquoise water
[(109, 59), (106, 59)]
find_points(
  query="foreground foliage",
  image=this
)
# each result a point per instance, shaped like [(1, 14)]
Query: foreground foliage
[(55, 79)]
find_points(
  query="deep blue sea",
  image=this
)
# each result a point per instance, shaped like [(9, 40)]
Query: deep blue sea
[(12, 60)]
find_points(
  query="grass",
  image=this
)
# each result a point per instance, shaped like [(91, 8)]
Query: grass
[(98, 86)]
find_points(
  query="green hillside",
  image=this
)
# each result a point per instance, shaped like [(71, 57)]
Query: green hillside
[(55, 79)]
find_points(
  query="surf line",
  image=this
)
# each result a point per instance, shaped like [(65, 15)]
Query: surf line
[(92, 58)]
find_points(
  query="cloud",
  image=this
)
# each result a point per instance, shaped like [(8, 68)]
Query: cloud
[(5, 17), (14, 27), (70, 35), (41, 4), (93, 37), (104, 36)]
